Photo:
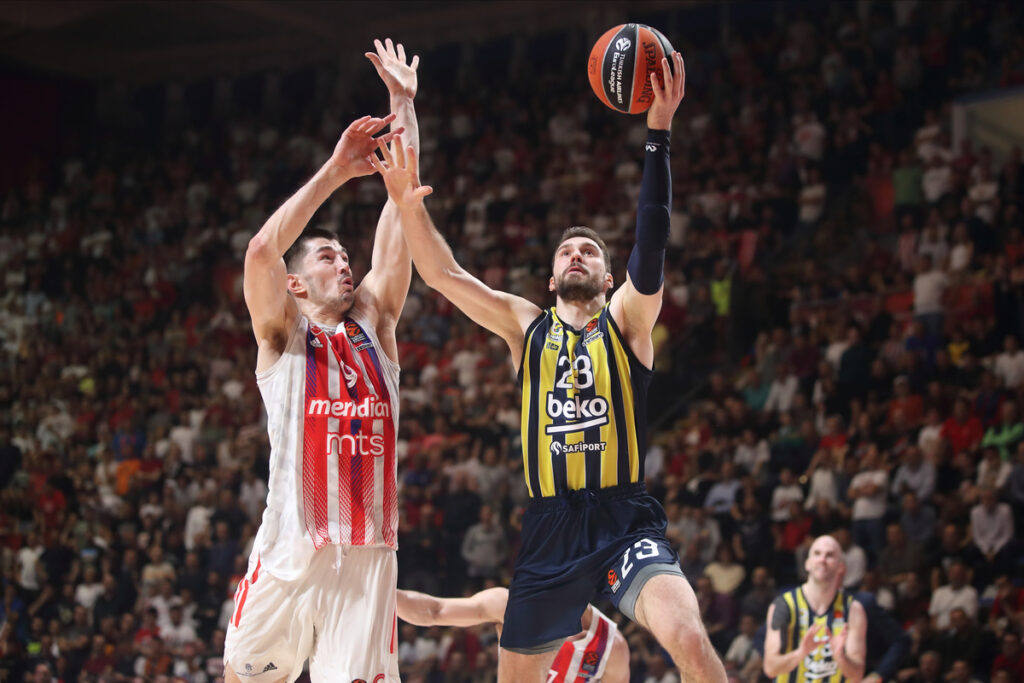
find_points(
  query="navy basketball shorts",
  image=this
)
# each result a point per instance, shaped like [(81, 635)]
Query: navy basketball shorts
[(576, 546)]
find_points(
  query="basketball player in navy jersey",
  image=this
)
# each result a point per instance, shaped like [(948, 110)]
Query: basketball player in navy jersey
[(584, 367)]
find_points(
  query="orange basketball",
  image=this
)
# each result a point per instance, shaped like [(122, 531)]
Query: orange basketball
[(620, 66)]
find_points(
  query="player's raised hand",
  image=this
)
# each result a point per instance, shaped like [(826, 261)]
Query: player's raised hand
[(351, 154), (668, 96), (399, 168), (807, 643), (390, 62), (839, 641)]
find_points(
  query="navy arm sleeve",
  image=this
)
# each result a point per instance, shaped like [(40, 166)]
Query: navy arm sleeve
[(647, 262)]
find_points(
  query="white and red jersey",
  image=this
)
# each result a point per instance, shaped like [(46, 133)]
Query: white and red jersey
[(584, 660), (332, 414)]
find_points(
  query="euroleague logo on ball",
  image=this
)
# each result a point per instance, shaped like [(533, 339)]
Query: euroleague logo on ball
[(621, 63)]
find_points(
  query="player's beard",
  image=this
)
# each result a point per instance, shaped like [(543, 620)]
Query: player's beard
[(578, 286), (336, 299)]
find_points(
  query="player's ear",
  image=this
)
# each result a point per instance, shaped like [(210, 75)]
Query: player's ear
[(609, 281), (295, 285), (551, 284)]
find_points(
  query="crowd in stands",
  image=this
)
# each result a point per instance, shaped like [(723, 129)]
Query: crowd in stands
[(838, 352)]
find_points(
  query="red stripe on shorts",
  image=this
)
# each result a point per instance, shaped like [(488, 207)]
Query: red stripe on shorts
[(241, 601)]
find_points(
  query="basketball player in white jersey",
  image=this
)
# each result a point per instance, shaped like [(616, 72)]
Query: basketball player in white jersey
[(598, 653), (321, 578)]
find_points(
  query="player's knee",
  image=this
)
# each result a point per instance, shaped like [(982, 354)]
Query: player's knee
[(686, 638)]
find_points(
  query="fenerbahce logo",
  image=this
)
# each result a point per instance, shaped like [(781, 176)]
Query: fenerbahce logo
[(575, 414)]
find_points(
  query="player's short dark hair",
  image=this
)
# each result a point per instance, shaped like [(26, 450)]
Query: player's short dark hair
[(584, 231), (297, 251)]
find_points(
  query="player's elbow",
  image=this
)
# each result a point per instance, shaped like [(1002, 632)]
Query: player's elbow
[(260, 249), (770, 667)]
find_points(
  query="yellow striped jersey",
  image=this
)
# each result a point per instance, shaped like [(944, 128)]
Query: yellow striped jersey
[(584, 406), (793, 616)]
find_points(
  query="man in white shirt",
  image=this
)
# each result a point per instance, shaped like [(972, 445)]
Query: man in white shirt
[(867, 491), (991, 531), (937, 180), (1009, 369), (782, 390), (930, 285), (956, 593), (915, 474), (854, 556), (177, 631)]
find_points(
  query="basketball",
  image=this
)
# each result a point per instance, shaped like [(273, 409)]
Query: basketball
[(620, 65)]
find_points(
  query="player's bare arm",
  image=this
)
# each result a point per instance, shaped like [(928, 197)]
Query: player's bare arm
[(485, 607), (265, 282), (777, 663), (506, 315), (849, 644), (381, 295), (635, 305)]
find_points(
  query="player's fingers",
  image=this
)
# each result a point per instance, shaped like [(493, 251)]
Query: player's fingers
[(380, 47), (667, 72), (387, 137), (400, 50), (375, 60), (422, 191), (377, 164), (377, 124), (680, 73), (654, 85), (385, 153), (414, 162), (391, 47), (398, 151), (415, 62)]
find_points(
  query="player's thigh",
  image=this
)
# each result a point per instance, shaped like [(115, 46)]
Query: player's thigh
[(356, 636), (667, 607), (271, 630), (515, 667)]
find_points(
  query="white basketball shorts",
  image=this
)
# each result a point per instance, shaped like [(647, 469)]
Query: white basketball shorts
[(340, 614)]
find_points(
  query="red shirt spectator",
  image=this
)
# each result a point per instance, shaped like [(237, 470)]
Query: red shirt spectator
[(1011, 658), (961, 430)]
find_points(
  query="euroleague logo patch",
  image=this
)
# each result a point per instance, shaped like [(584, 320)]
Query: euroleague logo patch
[(613, 581), (356, 336), (623, 44)]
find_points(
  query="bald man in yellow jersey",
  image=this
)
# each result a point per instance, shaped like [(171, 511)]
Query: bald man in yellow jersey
[(584, 367), (817, 631)]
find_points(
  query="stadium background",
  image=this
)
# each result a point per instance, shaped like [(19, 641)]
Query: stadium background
[(820, 152)]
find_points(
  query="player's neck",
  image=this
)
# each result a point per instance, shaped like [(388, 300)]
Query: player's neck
[(576, 314), (324, 316), (819, 596)]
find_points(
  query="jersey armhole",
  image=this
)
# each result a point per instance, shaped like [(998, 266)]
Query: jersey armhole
[(269, 372), (525, 357), (634, 362)]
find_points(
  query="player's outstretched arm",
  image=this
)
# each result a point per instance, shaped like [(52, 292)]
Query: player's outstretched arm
[(387, 283), (776, 662), (272, 310), (504, 314), (635, 306), (486, 607)]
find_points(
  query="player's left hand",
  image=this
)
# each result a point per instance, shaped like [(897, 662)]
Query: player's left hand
[(667, 97), (389, 60), (399, 167), (839, 642), (351, 155)]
